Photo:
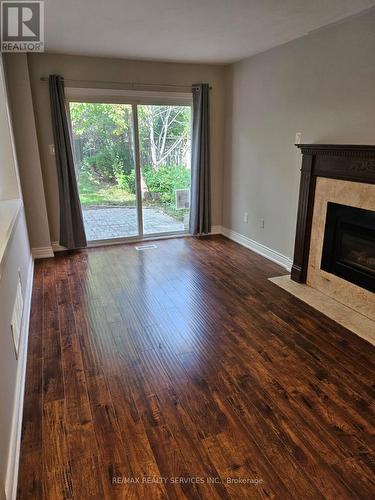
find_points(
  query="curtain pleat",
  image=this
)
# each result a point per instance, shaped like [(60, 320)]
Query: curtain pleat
[(72, 231), (200, 209)]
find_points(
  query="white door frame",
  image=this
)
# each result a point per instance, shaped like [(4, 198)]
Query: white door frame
[(137, 161)]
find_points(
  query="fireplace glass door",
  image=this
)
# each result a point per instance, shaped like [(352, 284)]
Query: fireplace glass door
[(357, 250), (349, 244)]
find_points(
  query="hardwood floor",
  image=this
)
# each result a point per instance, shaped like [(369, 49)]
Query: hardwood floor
[(182, 372)]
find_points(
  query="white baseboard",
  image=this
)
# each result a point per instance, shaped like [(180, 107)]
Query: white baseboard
[(42, 252), (15, 437), (56, 247), (216, 230), (259, 248)]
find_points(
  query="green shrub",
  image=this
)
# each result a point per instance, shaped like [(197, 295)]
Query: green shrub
[(101, 165), (130, 181), (165, 180), (119, 174), (110, 165), (123, 155)]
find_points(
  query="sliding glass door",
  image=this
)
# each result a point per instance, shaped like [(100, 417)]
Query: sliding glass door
[(103, 142), (133, 168), (164, 142)]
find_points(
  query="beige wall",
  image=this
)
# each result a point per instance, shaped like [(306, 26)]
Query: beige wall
[(322, 85), (8, 177), (23, 120), (117, 70)]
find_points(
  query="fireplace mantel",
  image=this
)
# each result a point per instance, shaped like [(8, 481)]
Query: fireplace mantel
[(336, 161)]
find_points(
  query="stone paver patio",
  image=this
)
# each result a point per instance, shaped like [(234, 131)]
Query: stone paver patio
[(121, 222)]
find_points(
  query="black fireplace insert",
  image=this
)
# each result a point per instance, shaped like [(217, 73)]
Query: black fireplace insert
[(349, 244)]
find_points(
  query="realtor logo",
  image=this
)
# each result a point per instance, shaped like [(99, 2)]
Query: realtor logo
[(22, 26)]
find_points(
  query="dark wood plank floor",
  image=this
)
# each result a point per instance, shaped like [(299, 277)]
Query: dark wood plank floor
[(182, 372)]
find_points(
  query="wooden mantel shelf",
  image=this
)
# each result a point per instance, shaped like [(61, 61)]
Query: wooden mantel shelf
[(351, 162), (337, 149)]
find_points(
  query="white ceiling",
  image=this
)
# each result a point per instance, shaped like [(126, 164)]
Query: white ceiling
[(215, 31)]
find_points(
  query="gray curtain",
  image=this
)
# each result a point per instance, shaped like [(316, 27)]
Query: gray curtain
[(72, 231), (200, 210)]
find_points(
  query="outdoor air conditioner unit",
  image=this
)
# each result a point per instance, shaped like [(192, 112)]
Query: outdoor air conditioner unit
[(182, 199)]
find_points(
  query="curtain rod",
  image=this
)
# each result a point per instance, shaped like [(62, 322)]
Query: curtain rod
[(131, 84)]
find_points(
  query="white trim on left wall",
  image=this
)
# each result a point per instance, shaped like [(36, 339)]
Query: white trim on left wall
[(15, 437)]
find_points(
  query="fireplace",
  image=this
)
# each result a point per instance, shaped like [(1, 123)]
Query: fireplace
[(349, 244), (352, 163)]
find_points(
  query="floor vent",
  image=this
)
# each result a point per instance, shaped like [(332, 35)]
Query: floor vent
[(17, 316), (146, 247)]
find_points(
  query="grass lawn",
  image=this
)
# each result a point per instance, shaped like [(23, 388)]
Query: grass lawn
[(94, 193)]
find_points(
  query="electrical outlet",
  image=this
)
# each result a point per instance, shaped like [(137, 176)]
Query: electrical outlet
[(262, 223), (246, 217), (298, 138)]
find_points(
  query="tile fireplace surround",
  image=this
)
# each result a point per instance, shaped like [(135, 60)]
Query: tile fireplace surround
[(354, 194), (344, 175)]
